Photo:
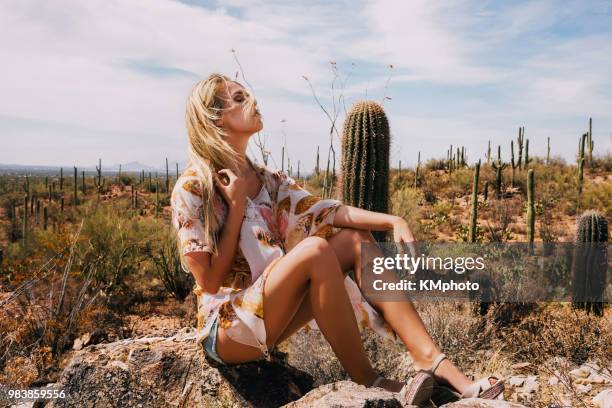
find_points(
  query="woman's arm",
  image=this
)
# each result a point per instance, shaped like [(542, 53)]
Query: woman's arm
[(210, 270), (353, 217)]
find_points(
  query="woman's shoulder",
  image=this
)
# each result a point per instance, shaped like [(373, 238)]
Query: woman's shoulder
[(187, 182)]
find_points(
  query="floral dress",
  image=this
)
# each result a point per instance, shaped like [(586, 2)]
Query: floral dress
[(275, 221)]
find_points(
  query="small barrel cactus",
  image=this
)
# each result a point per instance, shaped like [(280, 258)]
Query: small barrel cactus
[(365, 158), (590, 262)]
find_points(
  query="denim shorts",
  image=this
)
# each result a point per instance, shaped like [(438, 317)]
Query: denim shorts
[(210, 344)]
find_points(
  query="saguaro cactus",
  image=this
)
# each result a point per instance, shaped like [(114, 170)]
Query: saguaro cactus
[(365, 158), (531, 205), (590, 143), (99, 180), (590, 262), (548, 151), (317, 168), (74, 196), (417, 172), (167, 177), (513, 163), (580, 175), (499, 167), (520, 143), (474, 215), (527, 159), (24, 233)]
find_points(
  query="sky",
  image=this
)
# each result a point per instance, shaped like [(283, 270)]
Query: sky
[(82, 80)]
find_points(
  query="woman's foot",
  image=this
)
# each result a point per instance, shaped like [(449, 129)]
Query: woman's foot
[(444, 372)]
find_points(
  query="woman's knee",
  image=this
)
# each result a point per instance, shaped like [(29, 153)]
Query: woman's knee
[(315, 246), (320, 256)]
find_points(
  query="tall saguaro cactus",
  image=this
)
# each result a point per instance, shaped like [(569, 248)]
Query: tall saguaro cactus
[(513, 162), (365, 158), (531, 205), (499, 167), (589, 142), (520, 143), (590, 262), (474, 214)]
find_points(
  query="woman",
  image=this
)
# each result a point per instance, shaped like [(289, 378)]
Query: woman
[(268, 257)]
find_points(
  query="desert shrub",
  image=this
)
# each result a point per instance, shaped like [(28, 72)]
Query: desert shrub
[(115, 247), (406, 203), (603, 162), (596, 196), (497, 216), (560, 331), (168, 268), (435, 164)]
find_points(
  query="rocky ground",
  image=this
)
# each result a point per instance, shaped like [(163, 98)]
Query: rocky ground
[(159, 371)]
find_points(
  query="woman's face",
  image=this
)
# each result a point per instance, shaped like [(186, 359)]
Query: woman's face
[(234, 119)]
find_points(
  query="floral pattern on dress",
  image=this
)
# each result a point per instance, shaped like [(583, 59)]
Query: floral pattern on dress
[(281, 215)]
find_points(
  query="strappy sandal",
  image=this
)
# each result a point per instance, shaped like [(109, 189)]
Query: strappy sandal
[(417, 391), (481, 388)]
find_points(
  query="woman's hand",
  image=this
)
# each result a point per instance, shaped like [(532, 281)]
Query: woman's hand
[(402, 235), (232, 187)]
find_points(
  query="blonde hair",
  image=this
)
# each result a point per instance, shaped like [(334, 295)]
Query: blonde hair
[(208, 149)]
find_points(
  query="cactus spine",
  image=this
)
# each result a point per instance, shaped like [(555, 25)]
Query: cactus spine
[(590, 262), (474, 214), (365, 158), (531, 205)]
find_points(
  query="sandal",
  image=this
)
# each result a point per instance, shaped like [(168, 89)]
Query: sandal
[(417, 391), (481, 388)]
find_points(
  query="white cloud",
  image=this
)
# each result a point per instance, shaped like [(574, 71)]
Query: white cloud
[(115, 74)]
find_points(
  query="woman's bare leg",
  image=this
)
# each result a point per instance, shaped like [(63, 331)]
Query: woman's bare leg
[(401, 316), (312, 269)]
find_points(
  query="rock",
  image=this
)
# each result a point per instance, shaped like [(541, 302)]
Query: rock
[(346, 394), (603, 399), (531, 384), (517, 380), (481, 403), (173, 372)]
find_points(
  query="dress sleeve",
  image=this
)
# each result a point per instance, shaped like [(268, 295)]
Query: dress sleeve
[(301, 214), (186, 202)]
